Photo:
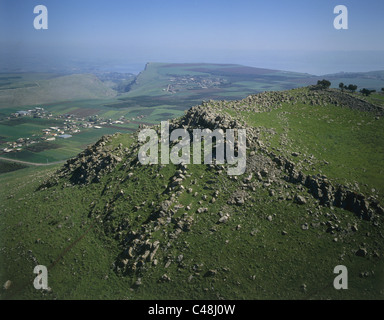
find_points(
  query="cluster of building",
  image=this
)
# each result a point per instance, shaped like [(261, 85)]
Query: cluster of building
[(178, 83), (37, 112), (18, 144), (48, 135), (72, 124)]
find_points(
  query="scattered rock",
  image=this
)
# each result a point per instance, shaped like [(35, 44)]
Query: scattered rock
[(239, 201), (165, 278), (300, 200), (211, 273), (362, 252), (7, 284), (138, 282), (305, 226), (224, 219), (254, 232), (168, 264)]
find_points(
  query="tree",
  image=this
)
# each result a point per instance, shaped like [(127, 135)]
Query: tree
[(352, 88), (382, 89), (323, 84), (366, 92), (341, 86)]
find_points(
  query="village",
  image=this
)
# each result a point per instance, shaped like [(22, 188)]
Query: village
[(71, 124), (187, 82)]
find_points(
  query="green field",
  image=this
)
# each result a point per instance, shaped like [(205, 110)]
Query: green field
[(162, 91), (6, 166), (27, 127), (34, 89)]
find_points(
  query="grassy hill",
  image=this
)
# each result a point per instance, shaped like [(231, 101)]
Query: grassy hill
[(32, 89), (311, 198), (178, 83), (197, 81)]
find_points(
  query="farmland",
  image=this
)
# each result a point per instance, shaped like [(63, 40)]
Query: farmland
[(107, 103)]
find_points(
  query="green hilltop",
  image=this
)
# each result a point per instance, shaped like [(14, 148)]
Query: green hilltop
[(311, 198), (17, 90)]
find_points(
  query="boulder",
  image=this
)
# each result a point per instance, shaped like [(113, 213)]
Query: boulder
[(300, 200)]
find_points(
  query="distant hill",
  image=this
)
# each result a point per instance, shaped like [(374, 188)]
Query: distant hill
[(32, 89), (370, 80), (173, 85), (198, 81), (183, 85)]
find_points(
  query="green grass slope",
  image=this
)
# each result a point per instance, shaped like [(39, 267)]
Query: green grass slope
[(43, 89), (108, 227)]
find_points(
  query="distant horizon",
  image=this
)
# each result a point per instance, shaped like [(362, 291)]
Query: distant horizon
[(32, 65), (123, 35)]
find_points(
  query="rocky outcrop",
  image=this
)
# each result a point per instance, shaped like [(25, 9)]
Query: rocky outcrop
[(207, 116), (90, 165), (268, 101), (139, 248), (329, 194)]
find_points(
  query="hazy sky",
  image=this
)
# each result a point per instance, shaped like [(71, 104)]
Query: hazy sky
[(295, 35)]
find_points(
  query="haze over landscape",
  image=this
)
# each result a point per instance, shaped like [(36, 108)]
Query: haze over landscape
[(124, 35)]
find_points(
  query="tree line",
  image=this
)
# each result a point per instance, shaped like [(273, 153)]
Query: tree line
[(325, 84)]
